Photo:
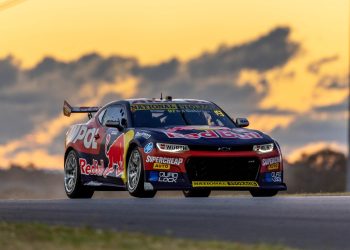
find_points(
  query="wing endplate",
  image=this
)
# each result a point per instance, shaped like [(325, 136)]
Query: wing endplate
[(68, 109)]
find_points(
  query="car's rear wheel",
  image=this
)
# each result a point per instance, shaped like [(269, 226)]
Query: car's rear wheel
[(263, 193), (72, 179), (136, 176), (196, 193)]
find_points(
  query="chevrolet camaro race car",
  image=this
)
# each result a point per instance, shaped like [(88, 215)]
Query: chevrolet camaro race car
[(145, 145)]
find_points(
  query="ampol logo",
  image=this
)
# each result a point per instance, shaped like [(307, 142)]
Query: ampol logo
[(115, 155)]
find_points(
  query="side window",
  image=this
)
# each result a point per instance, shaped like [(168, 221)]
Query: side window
[(100, 116), (114, 113)]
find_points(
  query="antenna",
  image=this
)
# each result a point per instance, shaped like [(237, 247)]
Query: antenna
[(161, 96)]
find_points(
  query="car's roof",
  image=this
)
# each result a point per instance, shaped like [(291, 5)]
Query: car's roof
[(153, 100)]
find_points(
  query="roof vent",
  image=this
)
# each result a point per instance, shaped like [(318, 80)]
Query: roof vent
[(168, 98)]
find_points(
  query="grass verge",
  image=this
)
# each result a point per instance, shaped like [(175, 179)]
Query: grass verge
[(39, 236)]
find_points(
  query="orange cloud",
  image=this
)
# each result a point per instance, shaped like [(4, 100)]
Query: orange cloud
[(267, 123), (39, 157)]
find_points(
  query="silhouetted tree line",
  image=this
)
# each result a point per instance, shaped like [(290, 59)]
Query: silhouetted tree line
[(323, 171)]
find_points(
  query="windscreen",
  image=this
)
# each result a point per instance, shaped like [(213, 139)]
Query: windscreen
[(155, 115)]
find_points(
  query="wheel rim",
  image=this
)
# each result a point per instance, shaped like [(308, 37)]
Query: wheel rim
[(134, 170), (70, 172)]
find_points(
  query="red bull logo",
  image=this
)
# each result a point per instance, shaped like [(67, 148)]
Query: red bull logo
[(96, 168), (115, 156)]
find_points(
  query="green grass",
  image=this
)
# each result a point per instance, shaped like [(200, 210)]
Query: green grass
[(38, 236)]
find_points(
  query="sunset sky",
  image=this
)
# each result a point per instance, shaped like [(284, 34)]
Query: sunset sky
[(283, 64)]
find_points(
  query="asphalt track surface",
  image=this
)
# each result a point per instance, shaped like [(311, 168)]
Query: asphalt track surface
[(304, 222)]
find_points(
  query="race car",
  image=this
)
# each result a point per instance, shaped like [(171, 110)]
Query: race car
[(145, 145)]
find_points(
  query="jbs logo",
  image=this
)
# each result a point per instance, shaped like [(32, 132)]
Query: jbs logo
[(87, 136)]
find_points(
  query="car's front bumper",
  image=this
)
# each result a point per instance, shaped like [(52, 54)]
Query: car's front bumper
[(170, 171)]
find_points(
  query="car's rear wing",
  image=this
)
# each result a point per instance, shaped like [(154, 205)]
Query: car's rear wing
[(68, 109)]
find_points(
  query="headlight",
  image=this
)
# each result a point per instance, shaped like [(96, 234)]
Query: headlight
[(264, 148), (173, 148)]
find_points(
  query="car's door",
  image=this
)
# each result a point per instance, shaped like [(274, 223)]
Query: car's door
[(112, 145)]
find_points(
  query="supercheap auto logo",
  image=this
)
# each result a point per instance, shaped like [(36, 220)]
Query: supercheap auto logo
[(164, 160), (161, 166), (271, 163)]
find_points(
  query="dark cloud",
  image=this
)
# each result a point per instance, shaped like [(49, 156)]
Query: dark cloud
[(304, 130), (91, 68), (213, 76), (160, 72), (338, 107), (310, 128), (269, 51), (8, 72), (273, 111), (33, 96), (315, 66), (332, 83)]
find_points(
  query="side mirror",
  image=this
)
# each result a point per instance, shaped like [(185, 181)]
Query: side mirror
[(242, 122), (120, 125)]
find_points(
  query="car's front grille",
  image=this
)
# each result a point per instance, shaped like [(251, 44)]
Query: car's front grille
[(222, 168)]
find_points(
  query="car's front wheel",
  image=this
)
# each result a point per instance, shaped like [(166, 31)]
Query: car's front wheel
[(196, 193), (136, 176), (72, 180), (263, 193)]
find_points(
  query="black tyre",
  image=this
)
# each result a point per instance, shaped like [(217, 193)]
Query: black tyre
[(136, 176), (72, 179), (263, 193), (197, 193)]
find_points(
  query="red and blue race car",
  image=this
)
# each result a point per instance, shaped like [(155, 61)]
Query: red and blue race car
[(146, 145)]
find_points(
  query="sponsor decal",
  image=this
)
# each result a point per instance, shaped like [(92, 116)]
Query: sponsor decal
[(170, 106), (213, 133), (270, 161), (161, 166), (153, 106), (273, 177), (274, 166), (174, 148), (276, 176), (141, 101), (164, 160), (143, 134), (188, 106), (148, 148), (225, 184), (87, 136), (94, 169), (115, 154), (219, 113), (168, 177)]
